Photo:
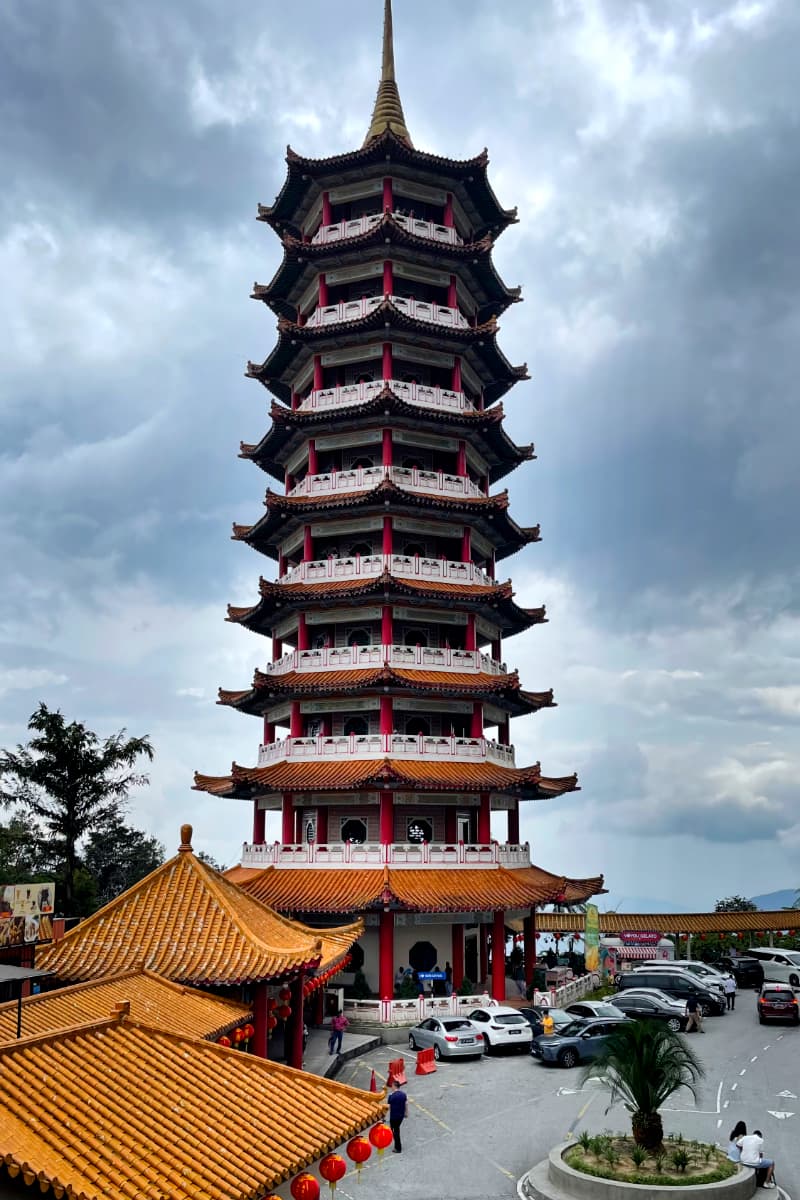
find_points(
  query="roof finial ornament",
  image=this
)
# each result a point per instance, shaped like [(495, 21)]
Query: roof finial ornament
[(388, 111), (186, 840)]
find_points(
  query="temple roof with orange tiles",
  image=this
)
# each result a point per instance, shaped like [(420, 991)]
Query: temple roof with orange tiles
[(612, 923), (186, 922), (118, 1108)]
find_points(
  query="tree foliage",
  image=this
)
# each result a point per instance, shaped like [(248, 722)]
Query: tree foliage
[(117, 856), (735, 904)]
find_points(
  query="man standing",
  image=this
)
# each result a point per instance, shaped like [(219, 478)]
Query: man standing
[(398, 1111), (694, 1016), (730, 991)]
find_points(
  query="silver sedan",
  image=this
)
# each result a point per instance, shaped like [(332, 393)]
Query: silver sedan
[(450, 1037)]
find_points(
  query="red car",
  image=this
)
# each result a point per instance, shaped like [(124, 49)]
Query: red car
[(777, 1002)]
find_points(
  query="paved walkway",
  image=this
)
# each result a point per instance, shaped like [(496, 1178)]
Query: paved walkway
[(319, 1061)]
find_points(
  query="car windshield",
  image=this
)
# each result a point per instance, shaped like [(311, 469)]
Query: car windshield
[(777, 994), (605, 1010), (793, 957), (509, 1019), (450, 1026), (560, 1017), (573, 1029)]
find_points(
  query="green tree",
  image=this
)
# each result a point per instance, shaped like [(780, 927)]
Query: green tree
[(735, 904), (117, 856), (643, 1063), (23, 856), (71, 782)]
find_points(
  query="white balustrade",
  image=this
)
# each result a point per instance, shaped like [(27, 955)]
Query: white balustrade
[(435, 483), (382, 745), (358, 225), (419, 394), (353, 310), (428, 658), (402, 566), (412, 855)]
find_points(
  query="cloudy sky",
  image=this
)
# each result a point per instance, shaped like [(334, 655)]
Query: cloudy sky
[(653, 152)]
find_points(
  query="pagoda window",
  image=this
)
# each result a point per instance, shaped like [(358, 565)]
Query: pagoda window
[(360, 548), (354, 830), (358, 726), (363, 462), (418, 727), (419, 830), (364, 377), (415, 637), (413, 464), (359, 637), (414, 550)]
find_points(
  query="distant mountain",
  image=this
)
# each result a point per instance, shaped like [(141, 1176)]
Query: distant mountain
[(772, 901)]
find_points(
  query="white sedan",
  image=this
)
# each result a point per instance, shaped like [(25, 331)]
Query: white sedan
[(502, 1027)]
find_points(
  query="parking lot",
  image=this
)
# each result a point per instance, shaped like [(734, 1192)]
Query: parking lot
[(476, 1126)]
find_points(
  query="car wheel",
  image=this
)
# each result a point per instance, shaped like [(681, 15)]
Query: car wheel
[(487, 1045), (674, 1023), (412, 1045), (568, 1058), (794, 980), (437, 1054), (761, 1021)]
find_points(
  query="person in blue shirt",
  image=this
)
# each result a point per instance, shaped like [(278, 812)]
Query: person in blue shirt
[(398, 1110)]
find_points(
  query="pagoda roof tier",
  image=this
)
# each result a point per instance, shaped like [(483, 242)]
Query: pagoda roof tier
[(288, 597), (425, 890), (483, 428), (487, 514), (352, 774), (187, 923), (503, 690), (302, 261), (476, 344), (467, 179)]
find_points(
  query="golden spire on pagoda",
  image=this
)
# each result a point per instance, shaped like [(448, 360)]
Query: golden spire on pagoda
[(388, 110)]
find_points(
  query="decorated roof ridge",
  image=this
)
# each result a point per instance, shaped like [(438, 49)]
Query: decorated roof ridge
[(388, 674), (284, 415), (483, 246), (378, 315), (278, 501), (613, 923), (481, 159), (387, 112)]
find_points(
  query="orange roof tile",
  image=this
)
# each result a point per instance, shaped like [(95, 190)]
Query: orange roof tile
[(337, 681), (118, 1109), (165, 1005), (615, 922), (188, 923)]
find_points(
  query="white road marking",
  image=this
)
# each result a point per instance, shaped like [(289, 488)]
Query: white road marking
[(753, 1059), (725, 1105), (734, 1087), (786, 1095), (768, 1045), (743, 1071), (719, 1122), (781, 1116), (779, 1037)]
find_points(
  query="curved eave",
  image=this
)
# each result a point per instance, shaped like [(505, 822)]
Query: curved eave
[(485, 427), (496, 602), (488, 514), (307, 176)]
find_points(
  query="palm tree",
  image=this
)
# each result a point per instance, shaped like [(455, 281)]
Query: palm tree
[(642, 1064)]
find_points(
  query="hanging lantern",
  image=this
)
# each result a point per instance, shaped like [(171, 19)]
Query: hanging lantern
[(271, 1022), (283, 1012), (304, 1187), (238, 1036), (248, 1032), (381, 1137), (272, 1003), (702, 937), (332, 1168), (285, 993), (358, 1151), (792, 932), (223, 1041)]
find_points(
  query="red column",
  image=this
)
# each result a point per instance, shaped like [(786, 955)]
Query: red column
[(387, 536), (497, 650), (529, 945), (281, 564), (387, 716), (484, 821), (295, 720), (386, 361), (386, 956), (302, 632), (386, 819), (327, 218), (294, 1056), (491, 566), (287, 819), (387, 626), (466, 544), (452, 293), (483, 957), (259, 821), (322, 825), (513, 824), (504, 733), (461, 460), (258, 1045), (317, 384), (386, 447), (322, 296), (448, 211), (456, 380), (277, 648), (476, 728), (457, 955), (308, 544), (313, 464), (485, 485), (295, 401), (388, 199), (471, 641), (450, 827), (499, 956), (388, 278), (269, 732)]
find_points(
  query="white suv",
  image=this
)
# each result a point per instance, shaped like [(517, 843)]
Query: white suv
[(780, 966)]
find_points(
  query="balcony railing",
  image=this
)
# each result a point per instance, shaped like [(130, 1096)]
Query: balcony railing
[(425, 658), (435, 483), (421, 310), (413, 393), (358, 225), (402, 566), (397, 854), (382, 745)]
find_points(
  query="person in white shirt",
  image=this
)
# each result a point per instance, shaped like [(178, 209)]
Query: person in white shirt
[(730, 991), (751, 1146)]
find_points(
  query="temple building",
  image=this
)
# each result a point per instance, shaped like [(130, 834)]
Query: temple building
[(387, 700)]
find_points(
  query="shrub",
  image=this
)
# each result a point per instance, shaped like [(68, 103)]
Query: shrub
[(360, 989), (638, 1155), (466, 987), (679, 1159), (585, 1140)]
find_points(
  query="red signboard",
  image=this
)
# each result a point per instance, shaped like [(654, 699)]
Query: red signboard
[(640, 937)]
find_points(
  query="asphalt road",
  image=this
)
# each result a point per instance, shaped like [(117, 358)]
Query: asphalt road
[(476, 1126)]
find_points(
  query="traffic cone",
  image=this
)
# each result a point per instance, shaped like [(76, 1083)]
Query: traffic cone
[(373, 1083)]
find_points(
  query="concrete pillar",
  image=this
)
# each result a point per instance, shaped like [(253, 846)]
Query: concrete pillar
[(294, 1034), (513, 823), (457, 955), (260, 1041), (386, 955), (484, 821), (499, 956), (529, 945), (259, 824), (386, 818), (287, 819)]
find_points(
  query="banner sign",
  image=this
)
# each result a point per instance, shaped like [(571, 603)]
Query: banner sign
[(640, 937), (591, 938), (431, 975), (26, 913)]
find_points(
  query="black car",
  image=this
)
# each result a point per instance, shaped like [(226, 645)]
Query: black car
[(748, 972), (677, 983), (650, 1008)]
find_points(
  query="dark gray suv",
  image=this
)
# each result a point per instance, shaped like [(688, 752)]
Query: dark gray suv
[(680, 984)]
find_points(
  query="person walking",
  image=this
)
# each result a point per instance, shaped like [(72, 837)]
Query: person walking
[(730, 991), (338, 1026), (751, 1148), (694, 1016), (398, 1111)]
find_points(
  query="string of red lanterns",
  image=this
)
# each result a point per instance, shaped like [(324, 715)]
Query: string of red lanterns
[(333, 1167)]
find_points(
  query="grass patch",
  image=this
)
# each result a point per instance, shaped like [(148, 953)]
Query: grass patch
[(680, 1163)]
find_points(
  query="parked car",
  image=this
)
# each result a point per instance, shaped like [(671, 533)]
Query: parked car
[(450, 1037), (534, 1014), (748, 972), (708, 975), (649, 1008), (777, 1002), (501, 1027), (780, 966), (680, 984), (593, 1008), (672, 1001), (577, 1042)]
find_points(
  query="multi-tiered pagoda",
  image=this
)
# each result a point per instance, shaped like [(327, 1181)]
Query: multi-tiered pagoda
[(387, 702)]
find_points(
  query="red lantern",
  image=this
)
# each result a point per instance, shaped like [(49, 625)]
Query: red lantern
[(285, 994), (223, 1041), (332, 1168), (283, 1012), (238, 1036), (271, 1022), (304, 1187), (792, 932), (381, 1137), (272, 1003), (702, 937), (248, 1032), (358, 1150)]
